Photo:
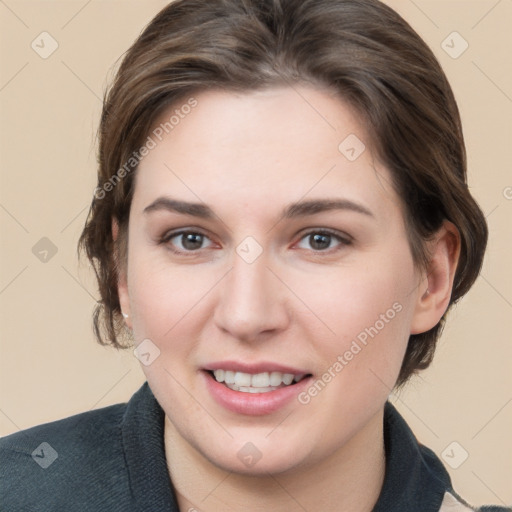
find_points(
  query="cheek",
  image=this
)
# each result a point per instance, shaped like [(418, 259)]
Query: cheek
[(166, 299), (360, 362), (165, 304), (364, 313)]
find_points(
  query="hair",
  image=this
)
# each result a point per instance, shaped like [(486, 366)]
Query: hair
[(361, 49)]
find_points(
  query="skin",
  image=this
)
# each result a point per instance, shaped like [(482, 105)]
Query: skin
[(248, 156)]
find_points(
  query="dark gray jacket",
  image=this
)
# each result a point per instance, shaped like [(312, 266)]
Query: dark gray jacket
[(113, 460)]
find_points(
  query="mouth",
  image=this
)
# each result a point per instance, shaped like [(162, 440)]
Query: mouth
[(263, 382), (255, 388)]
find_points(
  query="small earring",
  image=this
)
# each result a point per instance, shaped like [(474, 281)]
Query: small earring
[(125, 315)]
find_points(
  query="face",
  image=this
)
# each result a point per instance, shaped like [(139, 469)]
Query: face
[(267, 250)]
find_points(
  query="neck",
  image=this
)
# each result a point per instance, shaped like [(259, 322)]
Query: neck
[(348, 480)]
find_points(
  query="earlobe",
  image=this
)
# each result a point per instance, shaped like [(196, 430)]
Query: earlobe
[(122, 284), (435, 289)]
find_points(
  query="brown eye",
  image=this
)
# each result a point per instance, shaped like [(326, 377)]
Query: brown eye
[(187, 241), (322, 241), (319, 241)]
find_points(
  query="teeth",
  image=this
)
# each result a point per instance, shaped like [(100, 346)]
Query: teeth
[(275, 378), (288, 378), (220, 375), (255, 383), (242, 379), (261, 380)]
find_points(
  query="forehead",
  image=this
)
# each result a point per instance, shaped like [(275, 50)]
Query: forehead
[(262, 147)]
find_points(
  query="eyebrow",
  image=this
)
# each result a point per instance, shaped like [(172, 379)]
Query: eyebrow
[(173, 205), (303, 208), (298, 209)]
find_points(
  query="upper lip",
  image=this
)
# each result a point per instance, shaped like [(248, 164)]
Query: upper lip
[(254, 368)]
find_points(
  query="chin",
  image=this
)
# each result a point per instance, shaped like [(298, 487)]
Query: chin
[(250, 461)]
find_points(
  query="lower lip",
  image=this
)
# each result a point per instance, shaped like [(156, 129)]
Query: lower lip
[(253, 404)]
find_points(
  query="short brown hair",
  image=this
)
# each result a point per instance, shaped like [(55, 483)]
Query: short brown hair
[(360, 48)]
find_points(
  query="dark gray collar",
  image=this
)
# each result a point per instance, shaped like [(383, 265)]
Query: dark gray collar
[(415, 478)]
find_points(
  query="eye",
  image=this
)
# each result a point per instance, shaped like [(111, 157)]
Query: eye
[(322, 240), (187, 241)]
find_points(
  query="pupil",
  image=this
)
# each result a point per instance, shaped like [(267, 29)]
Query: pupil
[(192, 241), (319, 241)]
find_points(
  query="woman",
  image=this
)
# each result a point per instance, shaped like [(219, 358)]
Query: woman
[(281, 224)]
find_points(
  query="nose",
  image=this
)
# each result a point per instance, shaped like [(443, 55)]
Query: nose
[(252, 301)]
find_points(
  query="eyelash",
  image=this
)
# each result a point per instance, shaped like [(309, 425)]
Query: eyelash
[(343, 240)]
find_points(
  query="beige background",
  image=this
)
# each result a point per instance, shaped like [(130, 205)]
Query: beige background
[(50, 365)]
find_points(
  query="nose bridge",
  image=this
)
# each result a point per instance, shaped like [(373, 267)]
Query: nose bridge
[(248, 280), (249, 302)]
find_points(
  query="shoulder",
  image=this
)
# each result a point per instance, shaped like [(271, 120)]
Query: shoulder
[(81, 434), (428, 485), (453, 503), (79, 422), (73, 457)]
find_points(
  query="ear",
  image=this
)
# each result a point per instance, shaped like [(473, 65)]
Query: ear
[(435, 289), (122, 282)]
